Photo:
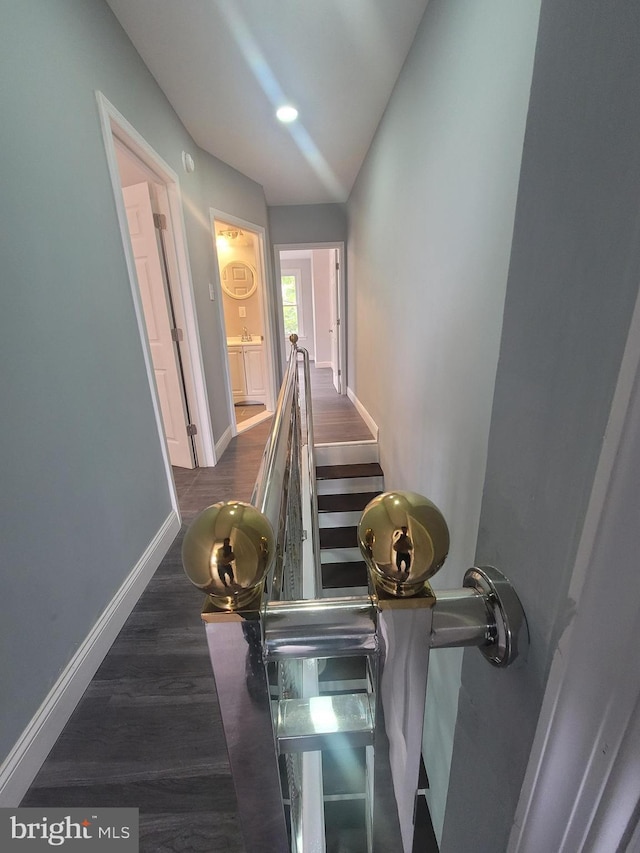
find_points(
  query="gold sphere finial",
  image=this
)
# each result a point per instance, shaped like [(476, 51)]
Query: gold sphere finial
[(227, 552), (294, 339), (404, 539)]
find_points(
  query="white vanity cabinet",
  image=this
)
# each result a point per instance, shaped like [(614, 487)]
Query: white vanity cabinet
[(246, 367)]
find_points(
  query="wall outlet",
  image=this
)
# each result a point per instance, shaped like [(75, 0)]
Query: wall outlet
[(242, 312), (212, 292)]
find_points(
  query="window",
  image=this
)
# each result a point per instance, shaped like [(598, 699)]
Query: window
[(291, 307)]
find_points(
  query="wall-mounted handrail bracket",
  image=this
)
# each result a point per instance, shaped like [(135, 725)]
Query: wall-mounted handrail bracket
[(509, 634)]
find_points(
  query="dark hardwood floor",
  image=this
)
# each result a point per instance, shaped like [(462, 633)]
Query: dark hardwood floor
[(147, 732), (335, 418)]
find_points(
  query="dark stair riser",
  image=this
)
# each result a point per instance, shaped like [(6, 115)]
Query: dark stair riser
[(338, 537), (344, 575), (345, 472), (345, 503)]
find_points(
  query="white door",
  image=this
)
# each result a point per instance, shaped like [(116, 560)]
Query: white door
[(335, 319), (156, 314)]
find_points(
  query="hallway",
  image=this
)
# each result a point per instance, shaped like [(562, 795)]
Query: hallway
[(146, 733)]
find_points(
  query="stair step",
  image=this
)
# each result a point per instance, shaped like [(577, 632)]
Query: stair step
[(341, 472), (340, 555), (345, 503), (350, 485), (341, 575), (339, 537), (347, 452), (339, 519)]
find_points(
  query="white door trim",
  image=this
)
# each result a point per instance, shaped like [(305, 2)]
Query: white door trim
[(266, 307), (580, 788), (342, 311), (116, 125)]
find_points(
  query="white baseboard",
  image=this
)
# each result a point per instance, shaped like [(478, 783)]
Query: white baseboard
[(28, 754), (222, 445), (364, 414)]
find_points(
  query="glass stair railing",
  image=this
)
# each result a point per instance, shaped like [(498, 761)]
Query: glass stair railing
[(322, 695)]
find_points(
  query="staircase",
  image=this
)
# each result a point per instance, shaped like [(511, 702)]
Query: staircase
[(348, 476)]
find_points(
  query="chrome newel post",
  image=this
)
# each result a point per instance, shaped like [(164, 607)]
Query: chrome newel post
[(405, 540), (227, 553)]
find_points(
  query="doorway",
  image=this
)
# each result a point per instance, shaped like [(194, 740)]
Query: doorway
[(246, 320), (312, 304), (149, 244), (161, 289)]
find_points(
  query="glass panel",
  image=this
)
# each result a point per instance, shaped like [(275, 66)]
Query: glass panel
[(289, 295), (290, 319)]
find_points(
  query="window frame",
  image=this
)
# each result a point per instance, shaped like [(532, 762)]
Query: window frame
[(296, 274)]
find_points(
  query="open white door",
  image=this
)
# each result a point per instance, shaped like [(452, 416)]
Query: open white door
[(335, 319), (157, 320)]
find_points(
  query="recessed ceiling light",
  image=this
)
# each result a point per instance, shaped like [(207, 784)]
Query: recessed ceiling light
[(287, 113)]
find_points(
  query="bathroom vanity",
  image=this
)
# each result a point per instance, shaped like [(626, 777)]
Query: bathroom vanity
[(247, 370)]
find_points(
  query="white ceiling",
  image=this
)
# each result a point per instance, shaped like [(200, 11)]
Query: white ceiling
[(225, 65)]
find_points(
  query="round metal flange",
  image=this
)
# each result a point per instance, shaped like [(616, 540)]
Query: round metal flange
[(510, 637)]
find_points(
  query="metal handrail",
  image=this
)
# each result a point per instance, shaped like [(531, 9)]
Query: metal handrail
[(268, 486), (311, 459), (270, 489)]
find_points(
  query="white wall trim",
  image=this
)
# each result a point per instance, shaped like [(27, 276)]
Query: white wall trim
[(364, 414), (568, 799), (28, 754), (224, 441), (322, 364)]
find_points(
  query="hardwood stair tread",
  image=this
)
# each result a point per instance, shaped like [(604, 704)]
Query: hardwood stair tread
[(345, 503), (344, 575), (341, 472), (338, 537)]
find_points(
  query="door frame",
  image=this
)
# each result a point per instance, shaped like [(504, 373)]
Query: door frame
[(580, 784), (265, 291), (115, 126), (342, 334)]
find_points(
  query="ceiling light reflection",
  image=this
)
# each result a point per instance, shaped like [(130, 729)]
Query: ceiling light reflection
[(287, 113)]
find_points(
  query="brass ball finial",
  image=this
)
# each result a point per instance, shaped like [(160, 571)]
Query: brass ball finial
[(294, 339), (227, 552), (404, 540)]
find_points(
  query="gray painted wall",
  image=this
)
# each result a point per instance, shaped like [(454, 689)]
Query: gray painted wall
[(431, 219), (308, 223), (573, 281), (83, 487)]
